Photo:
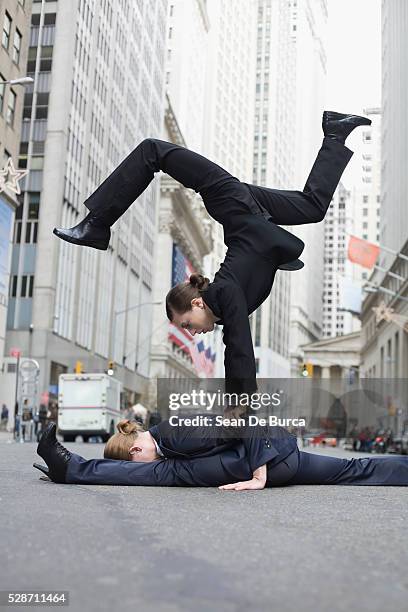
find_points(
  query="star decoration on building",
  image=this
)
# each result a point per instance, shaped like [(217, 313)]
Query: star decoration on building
[(387, 313), (10, 177), (383, 312)]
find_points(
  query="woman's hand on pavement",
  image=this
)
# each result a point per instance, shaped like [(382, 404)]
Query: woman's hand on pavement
[(248, 485)]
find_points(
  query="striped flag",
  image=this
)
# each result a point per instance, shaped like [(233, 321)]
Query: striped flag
[(180, 272)]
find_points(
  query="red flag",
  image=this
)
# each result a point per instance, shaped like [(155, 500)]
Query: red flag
[(362, 252)]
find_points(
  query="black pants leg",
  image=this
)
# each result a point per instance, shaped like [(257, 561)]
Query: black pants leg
[(311, 204), (223, 194), (121, 188), (369, 471)]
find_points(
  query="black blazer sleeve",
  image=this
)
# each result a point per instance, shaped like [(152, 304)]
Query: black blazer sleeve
[(261, 443), (239, 359), (181, 441)]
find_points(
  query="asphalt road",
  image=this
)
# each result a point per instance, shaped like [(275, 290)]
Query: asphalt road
[(308, 548)]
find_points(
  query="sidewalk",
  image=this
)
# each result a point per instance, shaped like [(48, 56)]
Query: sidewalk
[(6, 436)]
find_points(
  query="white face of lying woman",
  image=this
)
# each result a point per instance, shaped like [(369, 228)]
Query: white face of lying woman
[(198, 320), (143, 448)]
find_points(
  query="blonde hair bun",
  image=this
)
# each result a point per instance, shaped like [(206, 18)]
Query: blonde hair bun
[(127, 427)]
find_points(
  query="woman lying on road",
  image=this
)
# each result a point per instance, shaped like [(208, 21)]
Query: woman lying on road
[(188, 457)]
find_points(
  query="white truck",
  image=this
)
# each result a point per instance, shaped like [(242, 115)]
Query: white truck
[(88, 405)]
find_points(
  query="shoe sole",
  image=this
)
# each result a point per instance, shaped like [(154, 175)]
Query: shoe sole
[(80, 242), (292, 267)]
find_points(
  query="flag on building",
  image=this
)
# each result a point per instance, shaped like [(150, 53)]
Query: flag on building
[(350, 295), (362, 252), (180, 272), (209, 361)]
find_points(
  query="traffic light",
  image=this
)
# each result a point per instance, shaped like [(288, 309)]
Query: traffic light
[(111, 367), (307, 370), (79, 367)]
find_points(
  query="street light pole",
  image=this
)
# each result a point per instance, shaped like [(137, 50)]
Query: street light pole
[(21, 81), (16, 402), (118, 312)]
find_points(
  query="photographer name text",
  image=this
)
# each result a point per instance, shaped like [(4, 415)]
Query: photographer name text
[(220, 421)]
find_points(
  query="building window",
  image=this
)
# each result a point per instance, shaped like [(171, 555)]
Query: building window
[(11, 107), (13, 286), (6, 31), (16, 46), (27, 284), (365, 199), (365, 212)]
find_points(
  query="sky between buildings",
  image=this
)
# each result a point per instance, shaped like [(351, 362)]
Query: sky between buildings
[(354, 63)]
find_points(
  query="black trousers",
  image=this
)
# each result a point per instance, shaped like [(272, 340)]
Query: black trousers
[(305, 468), (223, 194)]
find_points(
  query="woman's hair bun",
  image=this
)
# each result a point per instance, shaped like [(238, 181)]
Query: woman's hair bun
[(199, 281), (125, 426)]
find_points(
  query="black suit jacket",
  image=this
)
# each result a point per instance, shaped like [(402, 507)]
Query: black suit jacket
[(261, 444), (256, 247)]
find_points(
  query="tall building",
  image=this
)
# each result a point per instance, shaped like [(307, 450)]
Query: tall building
[(337, 225), (273, 164), (100, 93), (308, 29), (184, 232), (352, 213), (188, 28), (385, 340), (15, 23), (366, 194), (229, 111), (394, 176)]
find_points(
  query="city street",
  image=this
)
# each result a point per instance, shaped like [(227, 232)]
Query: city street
[(308, 548)]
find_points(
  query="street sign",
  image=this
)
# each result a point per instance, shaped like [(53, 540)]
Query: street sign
[(29, 369)]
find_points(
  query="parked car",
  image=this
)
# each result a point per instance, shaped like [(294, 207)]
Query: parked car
[(319, 438), (400, 445)]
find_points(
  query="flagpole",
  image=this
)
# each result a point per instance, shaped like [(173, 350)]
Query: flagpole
[(384, 290), (393, 274), (397, 253)]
